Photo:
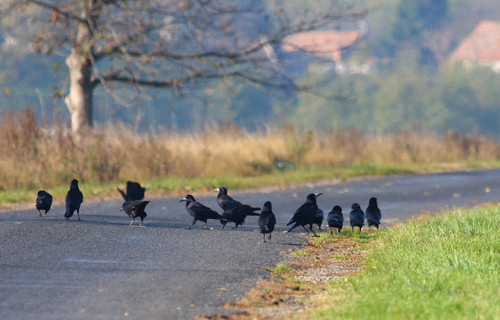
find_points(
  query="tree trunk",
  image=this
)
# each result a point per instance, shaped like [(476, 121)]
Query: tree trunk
[(79, 99)]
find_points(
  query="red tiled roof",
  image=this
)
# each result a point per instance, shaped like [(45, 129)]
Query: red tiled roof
[(327, 44), (483, 44)]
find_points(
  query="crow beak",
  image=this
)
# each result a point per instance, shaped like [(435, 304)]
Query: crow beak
[(183, 199), (216, 189), (318, 194)]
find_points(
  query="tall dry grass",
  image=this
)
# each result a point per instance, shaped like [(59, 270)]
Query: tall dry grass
[(33, 156)]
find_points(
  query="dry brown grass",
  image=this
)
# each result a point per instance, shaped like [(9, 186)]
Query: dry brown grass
[(34, 156)]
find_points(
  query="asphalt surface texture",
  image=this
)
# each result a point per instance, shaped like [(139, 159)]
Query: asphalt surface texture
[(99, 268)]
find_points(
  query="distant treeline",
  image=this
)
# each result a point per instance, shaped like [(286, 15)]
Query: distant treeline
[(409, 85)]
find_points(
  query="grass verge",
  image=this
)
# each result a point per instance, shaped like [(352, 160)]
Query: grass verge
[(444, 267), (178, 185), (181, 185)]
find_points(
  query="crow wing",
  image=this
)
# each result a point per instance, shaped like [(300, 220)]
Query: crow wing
[(304, 214), (135, 208), (201, 211)]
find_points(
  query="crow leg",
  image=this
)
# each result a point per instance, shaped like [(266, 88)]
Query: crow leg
[(269, 237), (314, 233), (294, 226), (207, 227), (142, 223), (264, 241), (78, 214), (192, 224), (40, 214), (306, 229), (131, 223)]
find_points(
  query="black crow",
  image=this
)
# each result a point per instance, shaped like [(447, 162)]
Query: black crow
[(373, 214), (267, 220), (233, 211), (199, 212), (74, 199), (43, 202), (225, 201), (237, 214), (335, 219), (133, 192), (305, 214), (318, 218), (135, 209), (357, 217)]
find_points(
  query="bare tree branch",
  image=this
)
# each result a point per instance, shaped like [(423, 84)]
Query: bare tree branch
[(171, 43), (55, 8)]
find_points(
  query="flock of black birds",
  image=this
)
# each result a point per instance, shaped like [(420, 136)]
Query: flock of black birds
[(234, 211), (133, 206), (74, 199)]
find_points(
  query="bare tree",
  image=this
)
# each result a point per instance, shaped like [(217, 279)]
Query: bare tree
[(177, 44)]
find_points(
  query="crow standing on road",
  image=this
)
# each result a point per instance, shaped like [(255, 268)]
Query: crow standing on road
[(200, 212), (135, 209), (43, 202), (335, 219), (238, 214), (373, 214), (318, 218), (305, 214), (74, 199), (267, 220), (234, 211), (225, 201), (133, 192), (357, 217)]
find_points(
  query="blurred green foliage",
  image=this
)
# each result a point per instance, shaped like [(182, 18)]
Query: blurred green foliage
[(454, 98)]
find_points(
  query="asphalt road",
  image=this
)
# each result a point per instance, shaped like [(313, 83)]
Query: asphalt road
[(99, 268)]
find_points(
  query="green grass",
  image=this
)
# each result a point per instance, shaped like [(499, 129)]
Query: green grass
[(447, 267), (275, 178), (361, 237), (301, 253), (181, 185), (175, 185), (280, 268), (94, 190), (340, 256)]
